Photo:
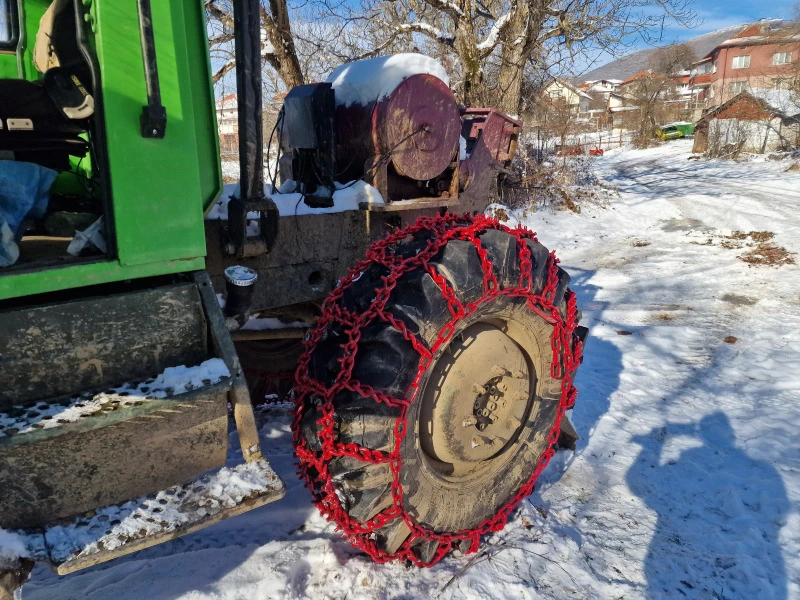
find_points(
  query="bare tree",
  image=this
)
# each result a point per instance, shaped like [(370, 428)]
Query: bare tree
[(494, 40), (277, 42), (488, 45)]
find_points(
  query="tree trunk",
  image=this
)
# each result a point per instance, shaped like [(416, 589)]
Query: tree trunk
[(279, 33), (518, 43), (509, 88), (472, 91)]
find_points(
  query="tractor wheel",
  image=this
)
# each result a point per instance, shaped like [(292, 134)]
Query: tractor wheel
[(13, 574), (432, 389)]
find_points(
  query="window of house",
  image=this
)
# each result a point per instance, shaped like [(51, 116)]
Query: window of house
[(741, 62), (737, 87), (555, 93), (8, 24), (781, 84), (781, 58)]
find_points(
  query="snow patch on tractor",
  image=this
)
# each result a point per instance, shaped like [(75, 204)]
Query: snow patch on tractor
[(348, 196), (168, 510), (172, 382)]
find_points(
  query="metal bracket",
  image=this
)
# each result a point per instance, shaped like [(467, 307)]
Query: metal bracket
[(241, 244), (239, 396), (153, 119)]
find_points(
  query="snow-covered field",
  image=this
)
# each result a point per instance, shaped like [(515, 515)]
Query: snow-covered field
[(686, 482)]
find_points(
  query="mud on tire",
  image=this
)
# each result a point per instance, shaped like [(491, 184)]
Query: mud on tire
[(431, 391)]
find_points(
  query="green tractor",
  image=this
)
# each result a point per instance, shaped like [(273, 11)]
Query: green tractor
[(138, 298)]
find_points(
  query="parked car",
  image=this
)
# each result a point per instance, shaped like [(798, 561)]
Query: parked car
[(674, 131)]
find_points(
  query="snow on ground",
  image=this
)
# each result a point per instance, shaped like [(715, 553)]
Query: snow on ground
[(686, 480), (230, 170)]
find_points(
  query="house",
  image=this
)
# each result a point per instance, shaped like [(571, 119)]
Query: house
[(560, 91), (602, 86), (763, 55), (228, 124), (752, 121)]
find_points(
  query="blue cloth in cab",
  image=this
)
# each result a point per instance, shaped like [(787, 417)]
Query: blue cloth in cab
[(24, 194)]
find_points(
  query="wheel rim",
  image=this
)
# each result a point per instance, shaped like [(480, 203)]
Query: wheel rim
[(476, 401)]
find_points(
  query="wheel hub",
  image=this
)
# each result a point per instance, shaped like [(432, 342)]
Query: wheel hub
[(476, 399)]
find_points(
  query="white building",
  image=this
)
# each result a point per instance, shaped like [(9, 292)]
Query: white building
[(228, 124), (574, 98)]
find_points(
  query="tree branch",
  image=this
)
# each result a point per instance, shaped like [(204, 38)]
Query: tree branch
[(427, 30)]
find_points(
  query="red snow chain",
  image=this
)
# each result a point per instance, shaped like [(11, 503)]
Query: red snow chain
[(313, 465)]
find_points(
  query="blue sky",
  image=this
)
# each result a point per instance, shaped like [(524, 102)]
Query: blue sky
[(717, 14), (712, 14)]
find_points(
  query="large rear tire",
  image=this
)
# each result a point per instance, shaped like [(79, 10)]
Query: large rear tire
[(431, 392)]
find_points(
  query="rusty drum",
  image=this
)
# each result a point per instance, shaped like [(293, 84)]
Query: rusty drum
[(415, 129)]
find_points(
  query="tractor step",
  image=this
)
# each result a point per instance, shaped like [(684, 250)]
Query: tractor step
[(58, 416), (121, 529), (116, 530), (92, 468), (60, 458)]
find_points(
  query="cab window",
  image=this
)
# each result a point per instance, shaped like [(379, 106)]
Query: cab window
[(8, 25)]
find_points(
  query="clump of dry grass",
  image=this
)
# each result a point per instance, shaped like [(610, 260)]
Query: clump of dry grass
[(768, 254), (761, 250), (500, 213), (756, 236)]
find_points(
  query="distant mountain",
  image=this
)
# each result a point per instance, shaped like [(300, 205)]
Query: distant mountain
[(630, 64)]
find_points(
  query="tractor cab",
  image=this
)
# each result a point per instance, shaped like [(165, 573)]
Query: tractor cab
[(106, 144), (46, 136)]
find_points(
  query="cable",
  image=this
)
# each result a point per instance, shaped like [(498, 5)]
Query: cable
[(386, 156), (278, 121), (279, 125)]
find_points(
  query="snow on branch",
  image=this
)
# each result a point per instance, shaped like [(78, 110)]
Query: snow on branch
[(428, 30), (494, 33), (447, 6)]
